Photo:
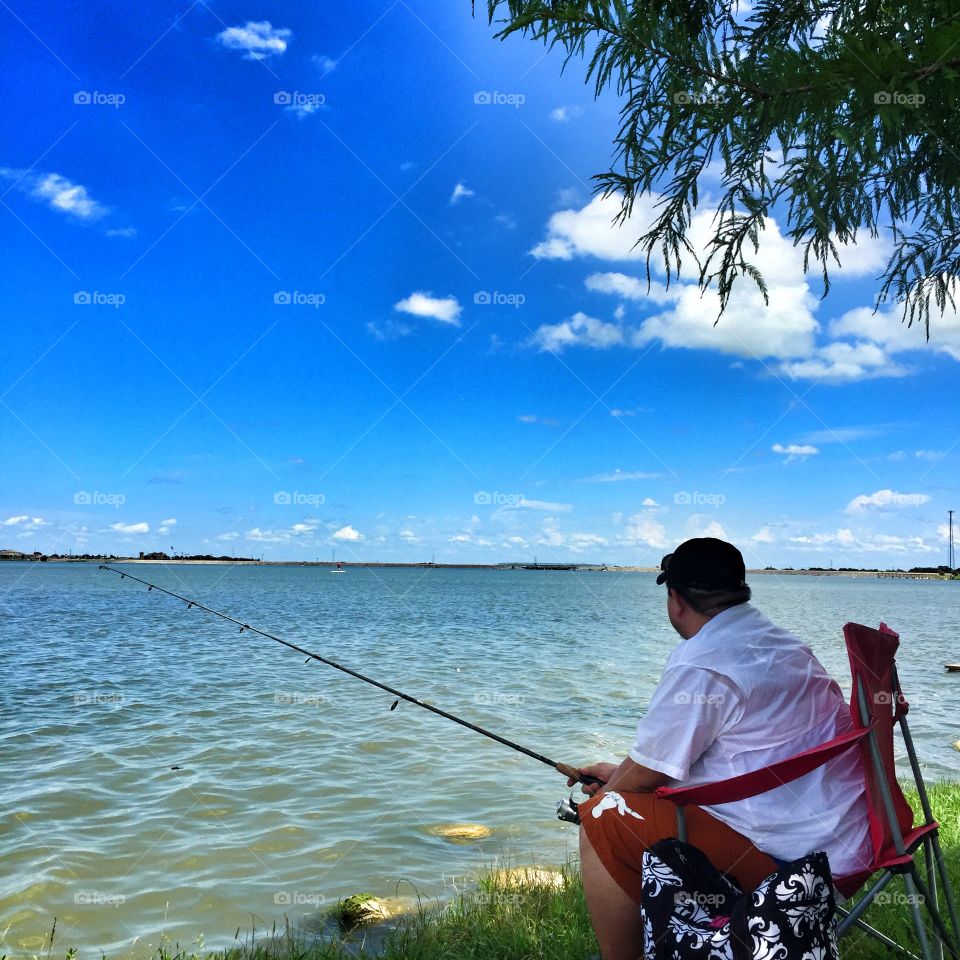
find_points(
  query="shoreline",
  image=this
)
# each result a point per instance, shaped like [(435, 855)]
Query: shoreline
[(514, 565)]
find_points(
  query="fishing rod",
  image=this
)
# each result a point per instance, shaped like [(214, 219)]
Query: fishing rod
[(568, 771)]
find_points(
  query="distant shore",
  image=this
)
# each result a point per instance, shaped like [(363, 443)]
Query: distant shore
[(426, 565)]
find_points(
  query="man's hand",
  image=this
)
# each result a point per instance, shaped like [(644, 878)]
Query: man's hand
[(625, 776), (602, 771)]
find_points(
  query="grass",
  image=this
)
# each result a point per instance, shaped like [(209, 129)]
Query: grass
[(541, 921)]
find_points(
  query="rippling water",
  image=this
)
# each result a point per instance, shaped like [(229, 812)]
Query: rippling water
[(297, 784)]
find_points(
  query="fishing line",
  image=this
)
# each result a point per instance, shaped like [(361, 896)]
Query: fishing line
[(564, 768)]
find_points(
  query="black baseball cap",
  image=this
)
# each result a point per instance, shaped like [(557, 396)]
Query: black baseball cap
[(704, 563)]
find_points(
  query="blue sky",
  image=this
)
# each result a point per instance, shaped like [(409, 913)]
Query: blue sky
[(283, 280)]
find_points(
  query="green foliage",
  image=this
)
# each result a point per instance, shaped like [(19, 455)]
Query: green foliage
[(860, 96)]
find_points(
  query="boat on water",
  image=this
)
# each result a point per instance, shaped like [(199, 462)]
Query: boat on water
[(338, 568)]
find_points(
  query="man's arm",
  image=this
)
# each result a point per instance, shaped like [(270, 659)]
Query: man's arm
[(628, 776)]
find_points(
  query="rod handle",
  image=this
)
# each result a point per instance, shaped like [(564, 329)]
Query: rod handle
[(572, 773)]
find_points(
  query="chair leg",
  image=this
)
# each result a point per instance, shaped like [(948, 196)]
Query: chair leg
[(881, 937), (933, 908), (851, 916), (932, 883), (947, 887), (917, 919)]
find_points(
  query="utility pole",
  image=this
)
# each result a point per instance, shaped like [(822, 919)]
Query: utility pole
[(950, 557)]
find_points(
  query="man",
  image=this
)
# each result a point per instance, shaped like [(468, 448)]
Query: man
[(736, 695)]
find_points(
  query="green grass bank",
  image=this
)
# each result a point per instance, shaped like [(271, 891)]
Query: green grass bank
[(538, 920)]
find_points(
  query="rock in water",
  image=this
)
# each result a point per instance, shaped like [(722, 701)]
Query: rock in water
[(461, 831), (359, 909)]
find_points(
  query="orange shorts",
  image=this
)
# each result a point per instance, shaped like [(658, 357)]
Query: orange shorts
[(619, 835)]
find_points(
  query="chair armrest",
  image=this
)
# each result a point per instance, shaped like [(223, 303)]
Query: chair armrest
[(768, 778)]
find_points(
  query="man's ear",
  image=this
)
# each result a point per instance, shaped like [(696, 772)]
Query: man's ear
[(677, 599)]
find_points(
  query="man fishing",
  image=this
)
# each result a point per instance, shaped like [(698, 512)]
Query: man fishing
[(737, 694)]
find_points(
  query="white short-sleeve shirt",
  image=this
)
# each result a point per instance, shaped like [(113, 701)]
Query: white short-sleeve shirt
[(738, 695)]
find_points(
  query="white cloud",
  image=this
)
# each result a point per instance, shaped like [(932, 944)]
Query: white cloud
[(884, 499), (57, 192), (165, 525), (785, 328), (839, 361), (545, 505), (712, 528), (763, 535), (630, 288), (408, 536), (230, 535), (130, 527), (848, 541), (643, 528), (266, 536), (887, 328), (460, 191), (15, 521), (121, 232), (842, 434), (533, 418), (618, 475), (566, 113), (304, 109), (591, 232), (933, 455), (348, 534), (323, 63), (258, 39), (580, 330), (444, 309), (897, 455), (298, 529), (387, 330), (795, 451)]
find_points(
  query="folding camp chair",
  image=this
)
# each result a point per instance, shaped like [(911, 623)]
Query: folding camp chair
[(877, 705)]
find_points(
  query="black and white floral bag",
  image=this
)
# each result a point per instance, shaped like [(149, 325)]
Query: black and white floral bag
[(692, 911)]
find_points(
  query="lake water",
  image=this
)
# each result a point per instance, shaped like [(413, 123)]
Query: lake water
[(298, 785)]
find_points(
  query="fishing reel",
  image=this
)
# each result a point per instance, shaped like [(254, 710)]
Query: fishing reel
[(568, 810)]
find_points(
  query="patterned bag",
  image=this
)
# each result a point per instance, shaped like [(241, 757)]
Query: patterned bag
[(692, 911)]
